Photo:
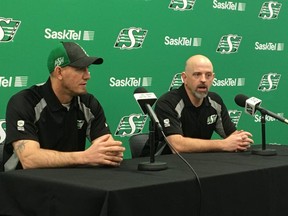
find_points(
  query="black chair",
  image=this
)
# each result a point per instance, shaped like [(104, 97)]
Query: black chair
[(137, 143), (1, 157)]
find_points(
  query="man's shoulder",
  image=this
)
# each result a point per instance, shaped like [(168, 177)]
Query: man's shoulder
[(88, 99), (23, 101), (86, 96), (31, 93), (215, 96), (172, 94), (171, 97)]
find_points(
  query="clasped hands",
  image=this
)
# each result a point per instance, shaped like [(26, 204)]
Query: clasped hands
[(105, 151), (239, 141)]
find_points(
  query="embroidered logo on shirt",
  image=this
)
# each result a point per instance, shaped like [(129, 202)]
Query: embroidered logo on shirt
[(211, 119), (166, 122), (20, 125), (80, 124)]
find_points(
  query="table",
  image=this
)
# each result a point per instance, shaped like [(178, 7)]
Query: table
[(231, 184)]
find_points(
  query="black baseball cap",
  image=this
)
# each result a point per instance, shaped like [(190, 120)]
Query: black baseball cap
[(70, 54)]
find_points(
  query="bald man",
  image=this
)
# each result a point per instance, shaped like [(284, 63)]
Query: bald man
[(190, 114)]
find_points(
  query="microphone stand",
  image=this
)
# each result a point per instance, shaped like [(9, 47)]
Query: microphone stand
[(152, 165), (264, 151)]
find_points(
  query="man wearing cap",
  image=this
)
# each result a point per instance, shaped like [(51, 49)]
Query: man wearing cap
[(47, 125)]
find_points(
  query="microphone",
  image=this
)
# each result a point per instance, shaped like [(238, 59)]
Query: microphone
[(142, 97), (252, 104), (146, 100)]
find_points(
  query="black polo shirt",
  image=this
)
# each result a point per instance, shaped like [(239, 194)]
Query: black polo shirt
[(37, 114), (178, 115)]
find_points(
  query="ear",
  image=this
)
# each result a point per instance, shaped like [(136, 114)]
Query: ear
[(58, 72), (183, 76)]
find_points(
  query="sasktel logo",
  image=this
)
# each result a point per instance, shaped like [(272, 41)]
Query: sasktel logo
[(130, 38), (177, 82), (269, 82), (69, 35), (182, 41), (8, 29), (270, 10), (132, 124), (130, 82), (182, 5), (230, 82), (17, 81), (235, 116), (269, 46), (229, 5), (229, 44), (257, 117), (2, 130)]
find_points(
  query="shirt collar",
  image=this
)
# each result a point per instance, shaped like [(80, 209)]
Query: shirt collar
[(52, 101)]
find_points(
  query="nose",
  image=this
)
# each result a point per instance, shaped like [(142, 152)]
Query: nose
[(86, 74), (203, 78)]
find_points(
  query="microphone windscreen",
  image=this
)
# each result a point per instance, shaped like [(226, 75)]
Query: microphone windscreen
[(240, 100), (144, 98), (140, 90)]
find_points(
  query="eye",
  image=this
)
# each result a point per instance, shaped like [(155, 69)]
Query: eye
[(196, 75), (208, 75)]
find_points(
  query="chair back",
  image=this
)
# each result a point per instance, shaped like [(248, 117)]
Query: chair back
[(137, 143), (2, 157)]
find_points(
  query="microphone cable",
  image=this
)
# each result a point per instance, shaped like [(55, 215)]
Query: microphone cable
[(190, 167)]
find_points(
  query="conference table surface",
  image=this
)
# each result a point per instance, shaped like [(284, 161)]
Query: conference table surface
[(230, 184)]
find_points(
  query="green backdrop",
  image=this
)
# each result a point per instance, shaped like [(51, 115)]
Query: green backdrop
[(146, 43)]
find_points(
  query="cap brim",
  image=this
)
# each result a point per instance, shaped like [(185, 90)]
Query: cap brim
[(86, 61)]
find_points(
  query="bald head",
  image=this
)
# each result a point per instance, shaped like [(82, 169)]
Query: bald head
[(197, 61)]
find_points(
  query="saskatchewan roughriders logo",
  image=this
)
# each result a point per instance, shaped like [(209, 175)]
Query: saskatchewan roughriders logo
[(229, 44), (176, 82), (132, 124), (270, 10), (181, 5), (269, 82), (235, 116), (8, 29), (2, 130), (130, 38)]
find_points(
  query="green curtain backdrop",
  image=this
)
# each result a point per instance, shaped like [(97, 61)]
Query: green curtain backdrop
[(145, 43)]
